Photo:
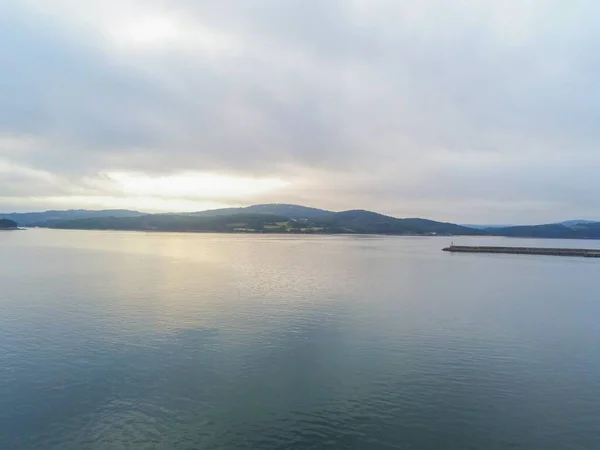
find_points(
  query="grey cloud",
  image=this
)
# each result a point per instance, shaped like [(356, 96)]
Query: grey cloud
[(369, 93)]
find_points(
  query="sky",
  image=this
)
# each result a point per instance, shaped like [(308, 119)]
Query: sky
[(470, 111)]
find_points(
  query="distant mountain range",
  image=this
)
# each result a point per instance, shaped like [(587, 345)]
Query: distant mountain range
[(576, 222), (589, 230), (567, 223), (285, 218)]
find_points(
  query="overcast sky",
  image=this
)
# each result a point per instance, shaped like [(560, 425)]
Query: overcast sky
[(470, 111)]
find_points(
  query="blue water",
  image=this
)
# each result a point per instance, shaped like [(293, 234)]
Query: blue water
[(122, 340)]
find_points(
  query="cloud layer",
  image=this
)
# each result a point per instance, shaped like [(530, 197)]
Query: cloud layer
[(462, 110)]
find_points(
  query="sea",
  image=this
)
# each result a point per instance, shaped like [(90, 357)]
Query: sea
[(134, 340)]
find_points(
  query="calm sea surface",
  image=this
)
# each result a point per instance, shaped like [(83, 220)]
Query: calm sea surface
[(125, 340)]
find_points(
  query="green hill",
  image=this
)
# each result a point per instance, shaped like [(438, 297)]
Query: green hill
[(174, 222), (358, 222), (368, 222), (6, 224), (286, 218), (46, 218)]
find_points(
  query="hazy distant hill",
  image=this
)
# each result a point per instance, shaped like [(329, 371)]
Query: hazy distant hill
[(554, 230), (566, 223), (47, 218), (572, 223), (543, 229), (6, 224), (290, 211)]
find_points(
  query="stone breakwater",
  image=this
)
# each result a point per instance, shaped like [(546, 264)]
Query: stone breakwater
[(581, 252)]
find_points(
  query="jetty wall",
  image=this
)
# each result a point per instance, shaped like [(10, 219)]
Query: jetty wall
[(587, 253)]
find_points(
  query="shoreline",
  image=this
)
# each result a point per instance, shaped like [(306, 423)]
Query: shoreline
[(320, 233)]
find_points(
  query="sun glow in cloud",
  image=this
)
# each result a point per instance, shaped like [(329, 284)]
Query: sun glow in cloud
[(167, 31), (149, 30), (138, 203), (194, 185)]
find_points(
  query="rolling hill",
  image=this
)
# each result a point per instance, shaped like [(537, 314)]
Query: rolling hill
[(576, 222), (46, 218), (287, 218), (293, 221), (174, 222), (554, 231), (368, 222), (6, 224), (282, 209)]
